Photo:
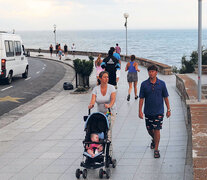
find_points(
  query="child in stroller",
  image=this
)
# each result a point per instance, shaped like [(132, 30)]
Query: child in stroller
[(94, 149), (96, 125)]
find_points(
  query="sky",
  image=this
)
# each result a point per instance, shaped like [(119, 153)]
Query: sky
[(99, 14)]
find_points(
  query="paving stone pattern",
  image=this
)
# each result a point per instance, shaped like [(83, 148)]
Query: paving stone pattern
[(46, 144)]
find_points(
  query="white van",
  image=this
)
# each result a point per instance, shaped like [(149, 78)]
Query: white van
[(13, 60)]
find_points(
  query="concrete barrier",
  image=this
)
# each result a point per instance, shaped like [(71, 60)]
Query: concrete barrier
[(162, 68)]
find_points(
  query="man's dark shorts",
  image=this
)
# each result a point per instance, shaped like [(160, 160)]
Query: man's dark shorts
[(154, 122)]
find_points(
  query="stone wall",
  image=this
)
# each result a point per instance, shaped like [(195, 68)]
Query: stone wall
[(162, 68), (204, 69), (197, 118)]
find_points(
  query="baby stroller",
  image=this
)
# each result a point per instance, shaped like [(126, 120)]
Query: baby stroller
[(97, 123)]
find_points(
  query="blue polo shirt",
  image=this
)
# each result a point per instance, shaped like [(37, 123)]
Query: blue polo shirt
[(153, 95)]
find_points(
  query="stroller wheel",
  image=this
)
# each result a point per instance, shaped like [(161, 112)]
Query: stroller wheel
[(101, 173), (108, 173), (78, 173), (84, 173), (113, 163)]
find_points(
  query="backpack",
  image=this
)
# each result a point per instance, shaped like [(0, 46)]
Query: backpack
[(67, 86)]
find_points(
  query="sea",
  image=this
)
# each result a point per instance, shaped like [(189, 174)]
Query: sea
[(165, 46)]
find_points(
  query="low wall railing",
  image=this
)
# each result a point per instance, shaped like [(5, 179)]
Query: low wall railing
[(162, 68), (196, 123)]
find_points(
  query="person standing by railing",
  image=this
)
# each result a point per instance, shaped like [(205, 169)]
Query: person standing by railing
[(65, 49), (118, 49), (51, 49), (73, 48)]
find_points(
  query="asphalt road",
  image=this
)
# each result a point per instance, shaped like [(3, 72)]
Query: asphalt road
[(43, 75)]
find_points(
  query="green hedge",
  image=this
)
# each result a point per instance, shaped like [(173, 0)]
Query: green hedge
[(83, 67)]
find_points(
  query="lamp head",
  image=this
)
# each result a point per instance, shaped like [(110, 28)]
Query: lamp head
[(126, 15)]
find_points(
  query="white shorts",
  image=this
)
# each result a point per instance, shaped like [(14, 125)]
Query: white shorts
[(118, 73)]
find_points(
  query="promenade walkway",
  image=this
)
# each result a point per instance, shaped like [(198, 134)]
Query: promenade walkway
[(46, 144)]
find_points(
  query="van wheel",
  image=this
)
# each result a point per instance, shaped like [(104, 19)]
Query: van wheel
[(25, 74), (9, 78)]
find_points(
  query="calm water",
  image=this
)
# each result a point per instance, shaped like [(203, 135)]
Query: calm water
[(166, 46)]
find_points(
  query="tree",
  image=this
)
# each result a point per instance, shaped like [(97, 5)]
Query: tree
[(188, 66)]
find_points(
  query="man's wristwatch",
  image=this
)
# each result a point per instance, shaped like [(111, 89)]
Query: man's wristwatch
[(169, 110)]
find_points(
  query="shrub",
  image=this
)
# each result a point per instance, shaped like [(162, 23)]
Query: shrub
[(78, 65), (87, 67), (188, 66), (83, 67), (91, 58)]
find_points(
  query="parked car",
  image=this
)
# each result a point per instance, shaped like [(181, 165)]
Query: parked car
[(12, 56)]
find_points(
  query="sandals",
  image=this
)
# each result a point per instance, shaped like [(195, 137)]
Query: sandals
[(156, 154), (152, 145)]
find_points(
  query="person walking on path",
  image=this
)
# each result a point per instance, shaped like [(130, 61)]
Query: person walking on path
[(104, 95), (98, 66), (65, 49), (132, 77), (51, 49), (111, 64), (118, 49), (60, 52), (73, 48), (118, 71), (153, 91), (56, 48)]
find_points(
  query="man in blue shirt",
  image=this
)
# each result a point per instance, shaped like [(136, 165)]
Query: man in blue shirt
[(154, 92)]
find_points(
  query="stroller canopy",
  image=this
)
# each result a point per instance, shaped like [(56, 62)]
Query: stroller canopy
[(97, 122)]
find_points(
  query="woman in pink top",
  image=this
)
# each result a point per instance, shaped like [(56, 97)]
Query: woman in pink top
[(98, 66)]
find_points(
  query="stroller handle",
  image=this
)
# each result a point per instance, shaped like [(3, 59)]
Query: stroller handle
[(89, 111)]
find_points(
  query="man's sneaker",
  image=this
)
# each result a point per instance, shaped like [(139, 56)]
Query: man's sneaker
[(128, 97), (136, 97)]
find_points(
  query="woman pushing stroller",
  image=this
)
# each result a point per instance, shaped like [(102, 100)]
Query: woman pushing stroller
[(104, 95), (97, 143)]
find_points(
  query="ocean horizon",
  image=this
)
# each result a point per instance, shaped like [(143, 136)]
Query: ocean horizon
[(162, 45)]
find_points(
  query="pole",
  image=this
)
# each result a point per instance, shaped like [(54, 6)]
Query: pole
[(54, 33), (55, 37), (199, 47), (126, 37)]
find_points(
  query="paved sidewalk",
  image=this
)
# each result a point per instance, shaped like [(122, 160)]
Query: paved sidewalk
[(46, 144)]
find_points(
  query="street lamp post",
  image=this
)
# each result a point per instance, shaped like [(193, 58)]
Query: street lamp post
[(55, 32), (199, 48), (126, 15)]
